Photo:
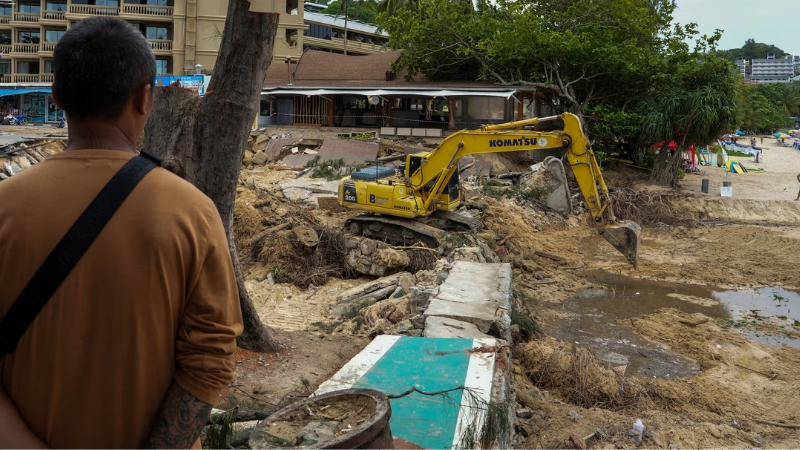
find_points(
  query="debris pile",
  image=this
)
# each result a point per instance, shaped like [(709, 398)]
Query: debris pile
[(17, 157)]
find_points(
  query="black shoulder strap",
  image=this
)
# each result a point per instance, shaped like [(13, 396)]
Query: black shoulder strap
[(70, 249)]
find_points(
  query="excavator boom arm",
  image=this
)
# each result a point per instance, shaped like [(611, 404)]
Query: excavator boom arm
[(510, 137)]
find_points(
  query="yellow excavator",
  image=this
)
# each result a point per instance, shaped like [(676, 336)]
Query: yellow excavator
[(417, 203)]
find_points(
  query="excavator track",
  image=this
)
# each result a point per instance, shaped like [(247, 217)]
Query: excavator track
[(396, 230), (459, 222)]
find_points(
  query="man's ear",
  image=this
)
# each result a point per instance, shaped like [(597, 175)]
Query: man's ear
[(143, 100)]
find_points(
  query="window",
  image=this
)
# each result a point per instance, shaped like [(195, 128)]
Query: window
[(160, 33), (5, 9), (53, 35), (28, 67), (317, 31), (33, 8), (291, 7), (5, 38), (162, 66), (29, 37), (56, 5), (48, 66), (5, 67)]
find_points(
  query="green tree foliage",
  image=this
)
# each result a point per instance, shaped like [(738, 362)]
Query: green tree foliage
[(751, 50), (580, 52), (363, 11), (393, 6), (769, 107), (697, 104)]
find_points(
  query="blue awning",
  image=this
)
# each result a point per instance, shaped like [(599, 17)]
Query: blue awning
[(5, 92)]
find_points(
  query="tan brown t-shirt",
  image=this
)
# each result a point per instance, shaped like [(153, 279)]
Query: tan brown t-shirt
[(153, 300)]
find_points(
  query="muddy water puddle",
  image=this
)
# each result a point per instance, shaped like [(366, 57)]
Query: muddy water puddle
[(595, 318)]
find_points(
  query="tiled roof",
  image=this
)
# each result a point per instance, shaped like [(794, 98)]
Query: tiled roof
[(324, 69)]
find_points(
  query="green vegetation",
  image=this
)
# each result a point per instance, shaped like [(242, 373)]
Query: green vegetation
[(751, 50), (768, 107), (363, 11), (329, 169), (634, 86)]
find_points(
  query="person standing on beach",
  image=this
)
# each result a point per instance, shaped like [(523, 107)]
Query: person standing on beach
[(798, 193)]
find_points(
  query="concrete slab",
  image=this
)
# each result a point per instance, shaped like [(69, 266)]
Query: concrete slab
[(418, 132), (335, 148), (404, 131), (317, 185), (477, 293), (388, 131), (396, 364), (442, 327), (433, 132), (297, 161), (275, 146)]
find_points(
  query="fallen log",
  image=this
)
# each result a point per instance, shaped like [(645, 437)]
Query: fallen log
[(549, 256), (260, 236), (778, 424)]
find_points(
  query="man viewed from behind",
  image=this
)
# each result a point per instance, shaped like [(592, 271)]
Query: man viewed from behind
[(136, 344)]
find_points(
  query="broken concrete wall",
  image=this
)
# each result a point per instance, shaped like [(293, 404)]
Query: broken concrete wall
[(550, 179), (372, 257)]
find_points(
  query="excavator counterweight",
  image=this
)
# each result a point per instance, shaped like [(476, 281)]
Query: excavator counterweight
[(429, 183)]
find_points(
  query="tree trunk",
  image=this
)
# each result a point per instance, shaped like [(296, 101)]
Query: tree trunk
[(203, 140), (661, 168)]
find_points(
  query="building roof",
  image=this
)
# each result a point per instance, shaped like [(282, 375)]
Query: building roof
[(320, 69), (334, 21)]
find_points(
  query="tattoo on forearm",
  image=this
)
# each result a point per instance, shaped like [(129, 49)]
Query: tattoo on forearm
[(180, 421)]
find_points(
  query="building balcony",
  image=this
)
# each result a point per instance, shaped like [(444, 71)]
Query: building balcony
[(53, 16), (27, 78), (25, 49), (5, 50), (6, 78), (47, 78), (78, 12), (146, 12), (5, 20), (22, 19), (47, 47), (160, 46)]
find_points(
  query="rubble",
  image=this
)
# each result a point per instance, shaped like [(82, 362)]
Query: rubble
[(442, 327), (372, 257), (15, 158)]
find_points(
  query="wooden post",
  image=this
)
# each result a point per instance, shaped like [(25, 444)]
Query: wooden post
[(331, 108), (451, 108), (389, 112), (520, 107)]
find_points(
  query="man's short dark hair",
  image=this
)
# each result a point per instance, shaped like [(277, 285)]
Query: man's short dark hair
[(99, 64)]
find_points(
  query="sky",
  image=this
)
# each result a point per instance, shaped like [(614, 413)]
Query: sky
[(775, 22)]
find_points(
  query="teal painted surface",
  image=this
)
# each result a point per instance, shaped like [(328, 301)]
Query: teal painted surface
[(430, 365)]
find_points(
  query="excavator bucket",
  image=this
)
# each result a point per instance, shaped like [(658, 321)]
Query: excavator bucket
[(625, 236)]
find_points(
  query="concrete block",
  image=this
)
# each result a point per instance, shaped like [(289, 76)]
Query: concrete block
[(404, 131), (418, 132), (476, 293), (421, 295), (433, 132), (441, 327), (388, 131)]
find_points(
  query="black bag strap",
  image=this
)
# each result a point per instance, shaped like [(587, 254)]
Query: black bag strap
[(70, 250)]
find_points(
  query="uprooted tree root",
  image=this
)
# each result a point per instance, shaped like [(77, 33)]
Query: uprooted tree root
[(577, 377), (646, 208), (292, 262)]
